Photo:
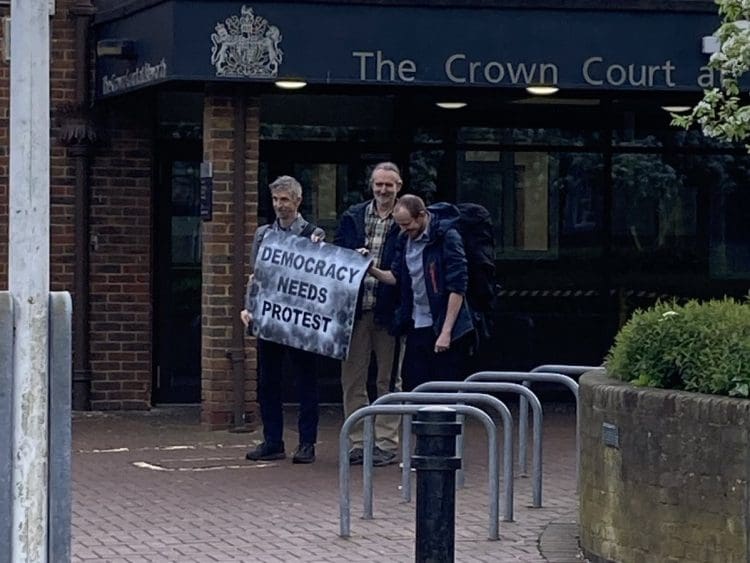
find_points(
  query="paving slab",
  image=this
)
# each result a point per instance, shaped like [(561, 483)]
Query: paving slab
[(156, 487)]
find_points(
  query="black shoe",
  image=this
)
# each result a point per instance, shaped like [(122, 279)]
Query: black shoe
[(382, 457), (305, 453), (266, 451), (356, 456)]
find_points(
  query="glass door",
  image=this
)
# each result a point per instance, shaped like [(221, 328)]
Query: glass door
[(177, 377)]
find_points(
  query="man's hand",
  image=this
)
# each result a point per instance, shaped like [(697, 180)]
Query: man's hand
[(317, 238), (363, 251), (246, 317), (443, 342)]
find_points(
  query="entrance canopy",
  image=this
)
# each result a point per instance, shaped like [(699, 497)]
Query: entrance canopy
[(364, 44)]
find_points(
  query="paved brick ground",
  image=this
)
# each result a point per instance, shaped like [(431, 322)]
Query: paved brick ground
[(153, 487)]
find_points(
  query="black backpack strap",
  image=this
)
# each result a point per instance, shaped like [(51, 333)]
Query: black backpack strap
[(307, 230)]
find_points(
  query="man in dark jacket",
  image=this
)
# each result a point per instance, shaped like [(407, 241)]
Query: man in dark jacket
[(286, 195), (369, 228), (430, 270)]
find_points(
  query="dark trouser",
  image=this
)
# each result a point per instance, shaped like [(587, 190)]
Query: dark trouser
[(422, 364), (302, 365)]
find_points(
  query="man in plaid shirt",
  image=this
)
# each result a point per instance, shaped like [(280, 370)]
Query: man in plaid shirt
[(369, 228)]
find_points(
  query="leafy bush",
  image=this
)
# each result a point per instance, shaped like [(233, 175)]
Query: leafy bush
[(703, 347)]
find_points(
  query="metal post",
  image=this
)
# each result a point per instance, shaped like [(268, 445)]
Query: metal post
[(359, 414), (448, 398), (60, 436), (6, 421), (498, 387), (434, 459), (570, 371), (529, 377), (28, 260)]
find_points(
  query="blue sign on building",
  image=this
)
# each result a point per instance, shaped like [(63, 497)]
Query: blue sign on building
[(436, 46)]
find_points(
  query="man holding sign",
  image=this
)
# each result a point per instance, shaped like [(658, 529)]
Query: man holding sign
[(286, 194)]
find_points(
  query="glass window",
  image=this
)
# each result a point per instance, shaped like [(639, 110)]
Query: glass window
[(180, 115), (654, 213), (299, 117), (519, 191), (427, 175), (532, 202), (580, 188), (730, 208), (645, 124), (186, 222)]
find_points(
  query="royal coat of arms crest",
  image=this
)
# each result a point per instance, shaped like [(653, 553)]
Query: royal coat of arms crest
[(246, 45)]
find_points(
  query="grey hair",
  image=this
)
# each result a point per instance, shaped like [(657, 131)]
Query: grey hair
[(286, 184), (389, 166)]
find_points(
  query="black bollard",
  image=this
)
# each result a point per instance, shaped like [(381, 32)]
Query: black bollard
[(436, 463)]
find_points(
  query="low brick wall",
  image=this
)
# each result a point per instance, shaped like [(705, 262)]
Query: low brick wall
[(664, 474)]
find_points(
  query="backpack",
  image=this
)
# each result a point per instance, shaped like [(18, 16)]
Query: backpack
[(475, 226)]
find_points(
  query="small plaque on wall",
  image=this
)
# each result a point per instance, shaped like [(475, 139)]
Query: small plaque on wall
[(207, 189), (610, 435)]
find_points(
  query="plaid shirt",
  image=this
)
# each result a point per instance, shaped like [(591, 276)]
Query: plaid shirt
[(376, 229)]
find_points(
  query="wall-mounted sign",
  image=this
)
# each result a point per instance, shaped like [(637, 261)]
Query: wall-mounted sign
[(207, 191), (420, 45)]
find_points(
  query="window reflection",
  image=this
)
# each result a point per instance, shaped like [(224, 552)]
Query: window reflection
[(531, 185), (425, 173), (654, 211), (730, 208), (520, 190), (186, 223)]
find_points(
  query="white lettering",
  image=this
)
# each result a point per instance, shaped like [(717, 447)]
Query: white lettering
[(142, 75), (668, 68), (473, 65), (385, 63), (707, 77), (449, 68), (630, 75), (586, 76), (497, 76), (611, 69), (521, 71), (363, 56), (385, 69), (406, 70), (543, 68)]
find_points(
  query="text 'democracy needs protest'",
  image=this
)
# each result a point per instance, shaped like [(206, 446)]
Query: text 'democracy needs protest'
[(304, 294)]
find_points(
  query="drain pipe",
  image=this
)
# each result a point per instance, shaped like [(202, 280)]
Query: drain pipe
[(79, 135), (236, 353)]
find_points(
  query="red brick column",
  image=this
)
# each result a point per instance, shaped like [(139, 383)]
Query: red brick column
[(217, 311)]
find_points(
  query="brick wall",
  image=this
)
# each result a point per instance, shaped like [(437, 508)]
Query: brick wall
[(120, 282), (62, 169), (675, 486), (62, 166), (218, 312)]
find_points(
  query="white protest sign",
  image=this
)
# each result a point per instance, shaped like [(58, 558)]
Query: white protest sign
[(304, 294)]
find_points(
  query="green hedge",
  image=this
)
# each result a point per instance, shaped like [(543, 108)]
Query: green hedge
[(703, 347)]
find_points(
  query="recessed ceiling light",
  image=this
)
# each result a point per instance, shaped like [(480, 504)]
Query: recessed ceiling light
[(541, 90), (451, 105), (290, 84), (676, 109)]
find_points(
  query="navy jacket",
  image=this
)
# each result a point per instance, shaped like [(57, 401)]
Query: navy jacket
[(445, 272), (351, 234)]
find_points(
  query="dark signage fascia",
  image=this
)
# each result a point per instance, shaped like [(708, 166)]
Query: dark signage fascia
[(356, 44)]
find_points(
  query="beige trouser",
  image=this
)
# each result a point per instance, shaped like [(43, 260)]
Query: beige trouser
[(367, 337)]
